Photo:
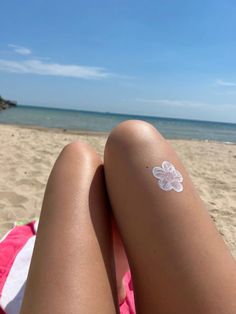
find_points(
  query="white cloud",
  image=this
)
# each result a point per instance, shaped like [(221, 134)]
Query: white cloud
[(20, 50), (39, 67), (226, 83)]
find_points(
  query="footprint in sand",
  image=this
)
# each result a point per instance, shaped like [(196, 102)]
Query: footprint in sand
[(30, 183), (13, 198)]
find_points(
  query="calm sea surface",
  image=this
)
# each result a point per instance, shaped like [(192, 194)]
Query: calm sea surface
[(104, 122)]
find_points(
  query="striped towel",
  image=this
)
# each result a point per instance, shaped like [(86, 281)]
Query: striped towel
[(16, 250)]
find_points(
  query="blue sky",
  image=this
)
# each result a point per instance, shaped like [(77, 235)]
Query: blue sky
[(168, 58)]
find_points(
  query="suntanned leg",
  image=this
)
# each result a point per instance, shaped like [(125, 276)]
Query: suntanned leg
[(72, 269), (179, 262), (121, 261)]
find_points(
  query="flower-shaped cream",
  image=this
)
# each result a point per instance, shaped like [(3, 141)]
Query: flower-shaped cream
[(168, 177)]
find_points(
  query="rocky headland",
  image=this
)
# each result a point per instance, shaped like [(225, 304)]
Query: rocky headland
[(5, 104)]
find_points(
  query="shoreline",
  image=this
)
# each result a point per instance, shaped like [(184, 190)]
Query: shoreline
[(97, 133), (56, 130)]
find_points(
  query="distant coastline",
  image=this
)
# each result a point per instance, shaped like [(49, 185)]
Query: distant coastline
[(6, 104)]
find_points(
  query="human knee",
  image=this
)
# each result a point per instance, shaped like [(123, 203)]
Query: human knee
[(132, 133), (78, 152)]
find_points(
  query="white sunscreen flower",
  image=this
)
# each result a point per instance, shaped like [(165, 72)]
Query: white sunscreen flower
[(168, 177)]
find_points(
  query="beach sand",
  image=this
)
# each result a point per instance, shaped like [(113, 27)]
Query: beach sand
[(28, 154)]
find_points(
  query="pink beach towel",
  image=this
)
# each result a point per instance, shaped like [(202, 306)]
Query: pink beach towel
[(16, 250)]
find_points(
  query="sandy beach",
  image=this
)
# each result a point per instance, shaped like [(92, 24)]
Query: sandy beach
[(27, 156)]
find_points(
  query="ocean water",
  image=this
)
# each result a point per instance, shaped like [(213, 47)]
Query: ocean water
[(104, 122)]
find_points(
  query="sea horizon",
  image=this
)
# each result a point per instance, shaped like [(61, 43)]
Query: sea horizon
[(122, 114), (96, 121)]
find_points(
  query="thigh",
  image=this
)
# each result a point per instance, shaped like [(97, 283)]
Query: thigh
[(72, 269), (179, 263)]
